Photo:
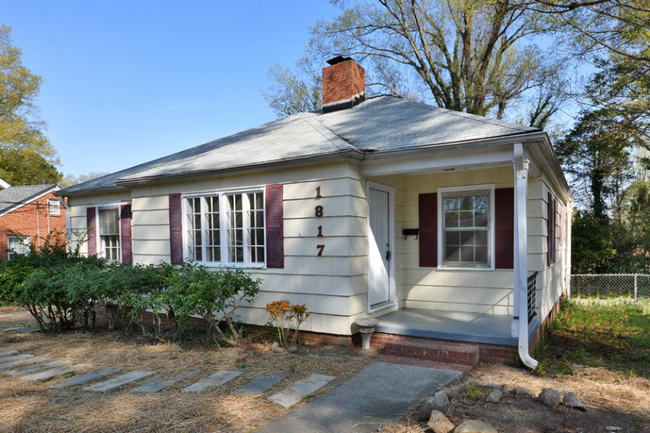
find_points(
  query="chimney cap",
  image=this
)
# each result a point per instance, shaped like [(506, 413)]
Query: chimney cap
[(338, 59)]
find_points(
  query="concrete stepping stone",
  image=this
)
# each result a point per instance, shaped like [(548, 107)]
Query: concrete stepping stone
[(300, 389), (14, 358), (4, 353), (22, 362), (27, 330), (13, 329), (213, 381), (36, 368), (88, 377), (260, 385), (49, 374), (111, 384), (161, 383)]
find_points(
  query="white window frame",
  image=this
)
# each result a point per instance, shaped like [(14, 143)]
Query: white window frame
[(54, 204), (26, 242), (98, 236), (491, 227), (223, 227)]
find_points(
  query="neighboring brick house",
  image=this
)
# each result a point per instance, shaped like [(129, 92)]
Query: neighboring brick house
[(27, 215)]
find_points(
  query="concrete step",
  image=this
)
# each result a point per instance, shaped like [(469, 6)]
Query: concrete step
[(452, 353), (415, 362)]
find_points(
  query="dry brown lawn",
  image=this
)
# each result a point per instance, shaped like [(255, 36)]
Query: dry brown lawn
[(35, 407)]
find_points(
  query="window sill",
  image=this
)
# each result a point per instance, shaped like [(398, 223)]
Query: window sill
[(472, 268), (229, 265)]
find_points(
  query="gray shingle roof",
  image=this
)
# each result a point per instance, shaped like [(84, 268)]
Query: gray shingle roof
[(383, 124), (19, 195)]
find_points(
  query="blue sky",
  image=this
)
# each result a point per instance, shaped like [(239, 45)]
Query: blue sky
[(128, 81)]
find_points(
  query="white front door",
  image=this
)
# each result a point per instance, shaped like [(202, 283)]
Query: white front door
[(380, 245)]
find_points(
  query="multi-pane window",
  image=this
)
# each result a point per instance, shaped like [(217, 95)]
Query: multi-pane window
[(466, 229), (226, 228), (256, 227), (109, 233), (194, 236), (213, 230), (17, 246)]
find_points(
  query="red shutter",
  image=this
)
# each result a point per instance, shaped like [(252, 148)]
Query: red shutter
[(554, 240), (428, 234), (176, 228), (274, 226), (549, 229), (504, 215), (91, 224), (125, 225)]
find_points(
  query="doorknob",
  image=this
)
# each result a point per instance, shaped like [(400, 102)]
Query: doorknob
[(388, 256)]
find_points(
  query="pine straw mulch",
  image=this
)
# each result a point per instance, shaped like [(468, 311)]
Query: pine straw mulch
[(34, 407), (611, 399)]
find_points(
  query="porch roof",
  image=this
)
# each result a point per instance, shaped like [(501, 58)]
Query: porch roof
[(452, 325)]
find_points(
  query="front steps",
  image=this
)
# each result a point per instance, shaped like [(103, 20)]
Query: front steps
[(432, 354)]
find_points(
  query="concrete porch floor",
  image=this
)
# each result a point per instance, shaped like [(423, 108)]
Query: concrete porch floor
[(452, 325)]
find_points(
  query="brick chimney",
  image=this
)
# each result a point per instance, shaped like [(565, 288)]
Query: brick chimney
[(344, 84)]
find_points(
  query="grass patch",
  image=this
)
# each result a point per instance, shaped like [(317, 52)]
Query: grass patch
[(594, 333)]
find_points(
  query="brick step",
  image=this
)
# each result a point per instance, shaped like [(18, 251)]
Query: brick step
[(434, 351), (465, 369)]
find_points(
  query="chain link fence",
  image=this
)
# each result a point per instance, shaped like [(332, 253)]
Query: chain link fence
[(625, 287)]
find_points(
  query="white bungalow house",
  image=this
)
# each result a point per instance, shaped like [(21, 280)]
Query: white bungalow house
[(433, 221)]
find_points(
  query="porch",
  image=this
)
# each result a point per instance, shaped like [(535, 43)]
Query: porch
[(453, 326)]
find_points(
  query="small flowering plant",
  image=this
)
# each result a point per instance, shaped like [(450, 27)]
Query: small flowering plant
[(283, 315)]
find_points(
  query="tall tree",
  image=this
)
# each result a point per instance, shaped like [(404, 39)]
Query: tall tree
[(617, 27), (594, 153), (26, 155), (470, 55), (293, 92)]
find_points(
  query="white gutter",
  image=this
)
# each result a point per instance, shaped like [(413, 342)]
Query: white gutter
[(520, 271)]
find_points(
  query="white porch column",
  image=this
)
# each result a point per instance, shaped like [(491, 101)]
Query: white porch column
[(520, 271)]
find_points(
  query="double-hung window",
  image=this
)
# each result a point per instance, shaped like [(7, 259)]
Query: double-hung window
[(17, 246), (109, 233), (226, 228), (467, 229)]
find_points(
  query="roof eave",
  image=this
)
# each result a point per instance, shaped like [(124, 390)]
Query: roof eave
[(53, 189), (165, 178), (93, 191), (523, 137), (540, 138)]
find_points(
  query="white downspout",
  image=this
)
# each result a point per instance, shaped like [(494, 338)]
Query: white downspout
[(567, 251), (521, 255)]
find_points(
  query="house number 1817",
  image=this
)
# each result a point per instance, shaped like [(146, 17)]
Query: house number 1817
[(319, 213)]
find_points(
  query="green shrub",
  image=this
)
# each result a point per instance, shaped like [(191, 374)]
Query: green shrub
[(60, 289)]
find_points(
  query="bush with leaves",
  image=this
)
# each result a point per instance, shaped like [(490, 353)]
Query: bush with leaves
[(214, 295), (283, 315), (61, 289)]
